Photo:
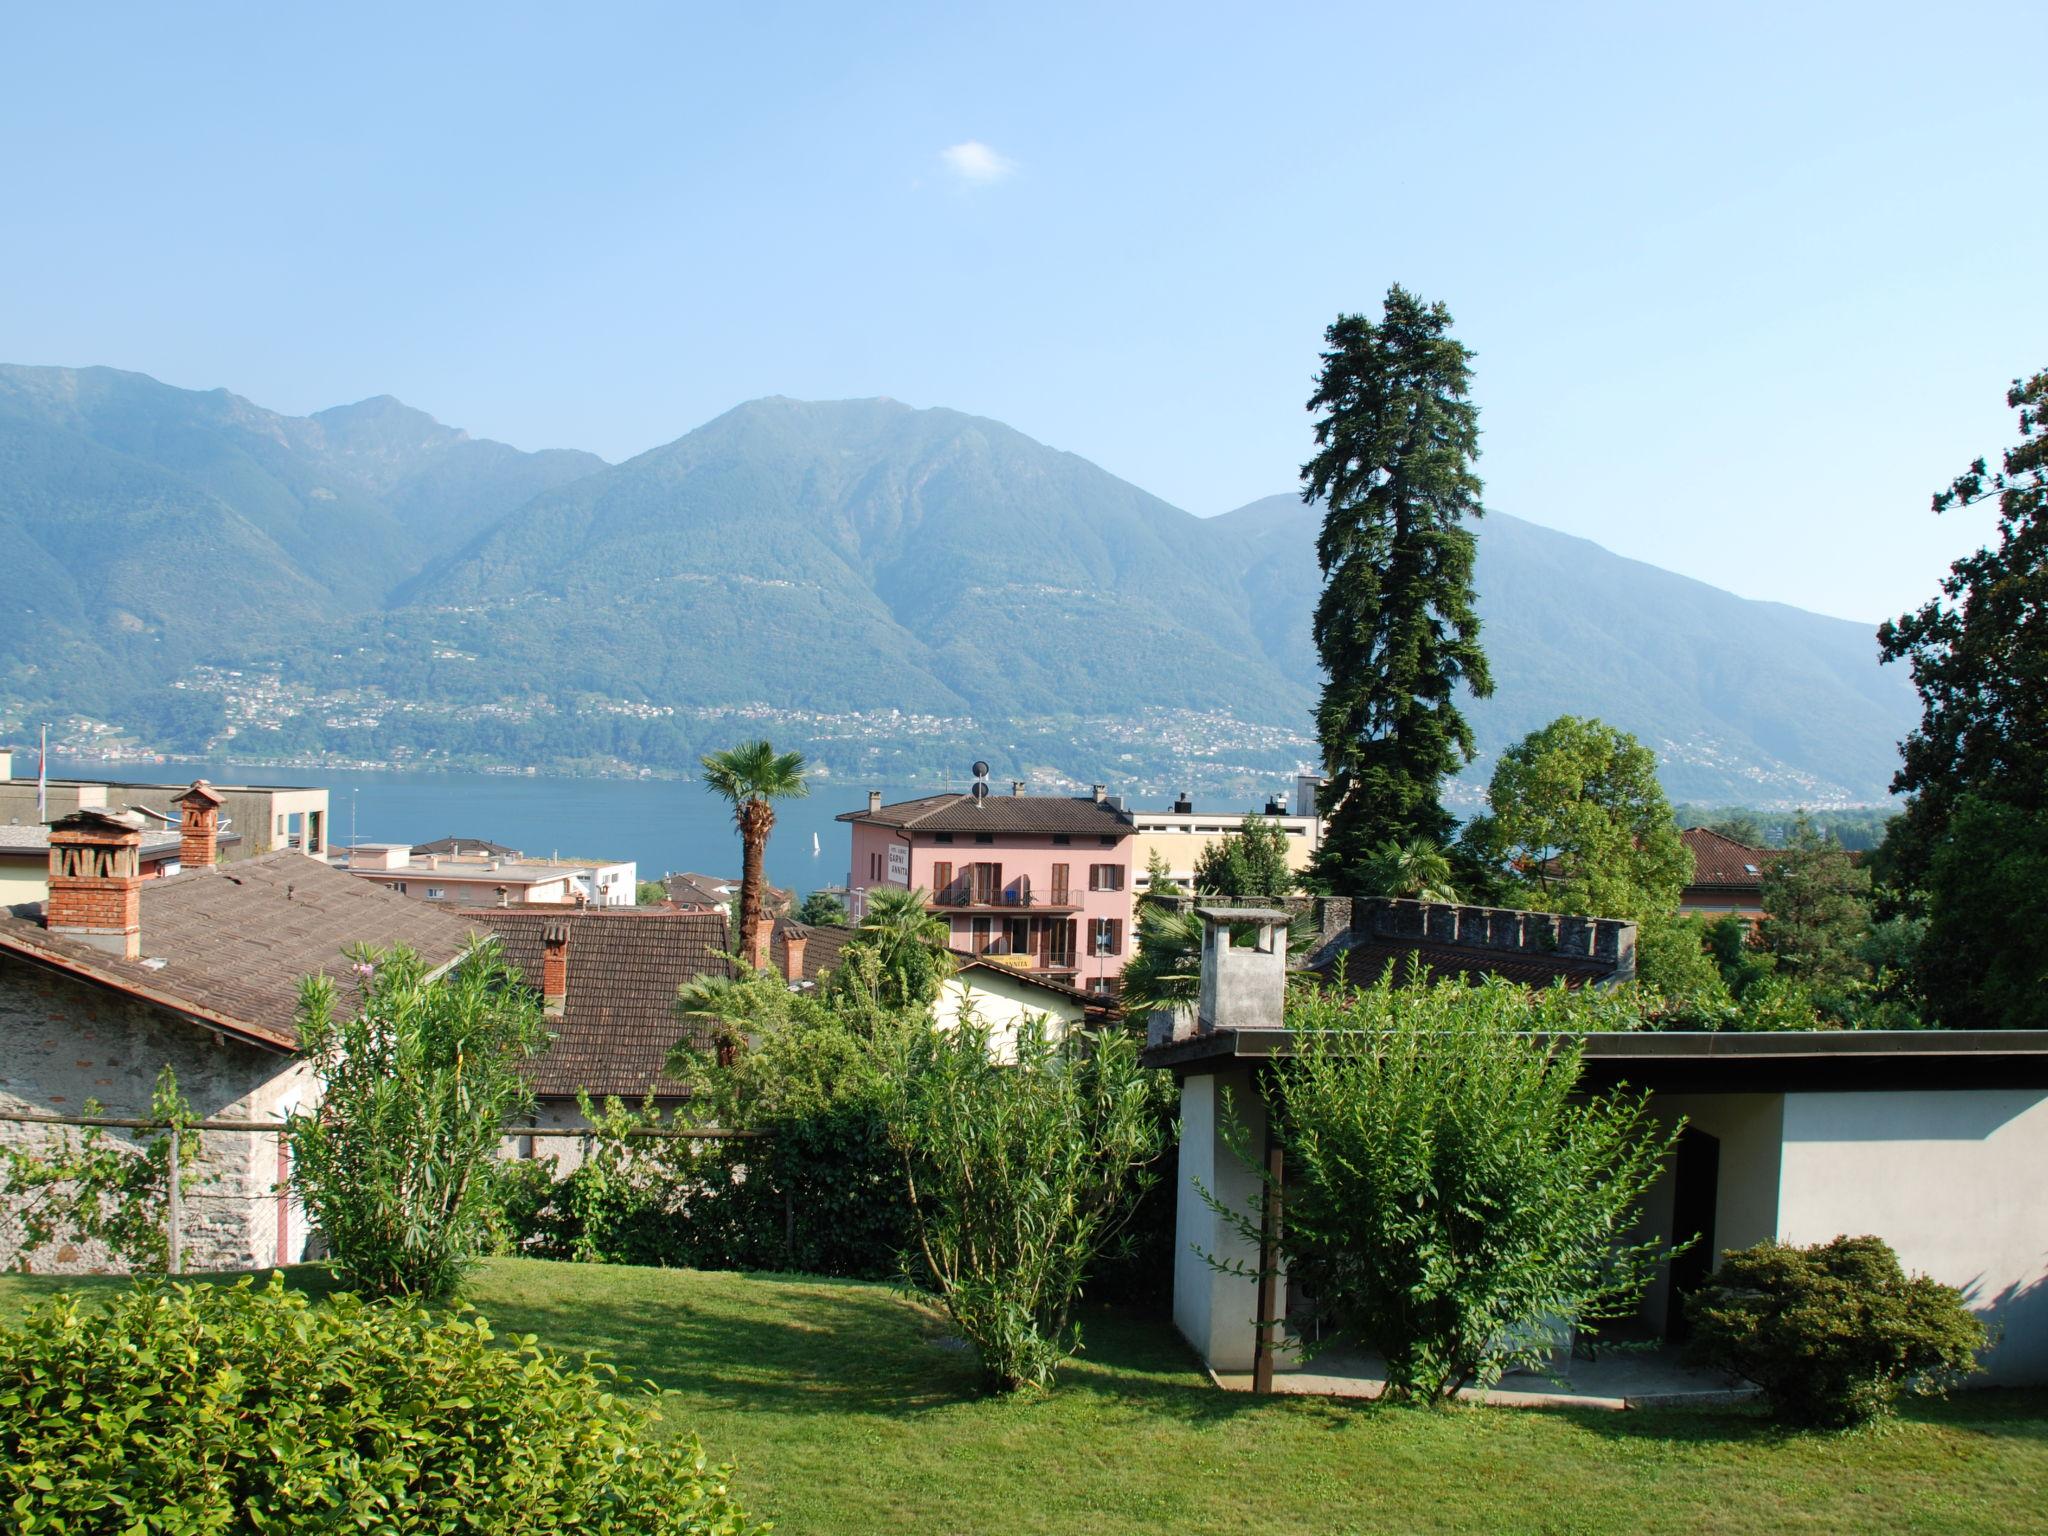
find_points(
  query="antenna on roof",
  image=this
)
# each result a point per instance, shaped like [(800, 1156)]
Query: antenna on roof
[(980, 787)]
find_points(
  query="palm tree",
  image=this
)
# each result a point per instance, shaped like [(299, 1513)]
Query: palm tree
[(912, 946), (751, 777), (1166, 971), (1417, 869)]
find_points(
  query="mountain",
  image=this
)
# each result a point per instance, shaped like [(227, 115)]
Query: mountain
[(1744, 702), (157, 526), (866, 555), (443, 486), (897, 591)]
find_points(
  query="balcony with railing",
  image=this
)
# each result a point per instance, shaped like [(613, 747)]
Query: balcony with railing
[(966, 894), (1053, 959)]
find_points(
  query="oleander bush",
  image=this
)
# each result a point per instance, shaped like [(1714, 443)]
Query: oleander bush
[(398, 1163), (191, 1409), (1832, 1333), (1021, 1177)]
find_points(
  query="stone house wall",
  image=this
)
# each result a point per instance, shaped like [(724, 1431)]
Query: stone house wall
[(64, 1041)]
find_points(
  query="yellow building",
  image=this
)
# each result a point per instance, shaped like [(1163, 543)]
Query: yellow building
[(1182, 834)]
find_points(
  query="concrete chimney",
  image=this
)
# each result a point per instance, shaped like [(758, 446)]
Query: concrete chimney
[(793, 941), (874, 801), (198, 826), (1016, 789), (96, 880), (554, 969), (1242, 988), (1100, 791), (6, 762)]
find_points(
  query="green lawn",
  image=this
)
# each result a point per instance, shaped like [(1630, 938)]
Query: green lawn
[(847, 1413)]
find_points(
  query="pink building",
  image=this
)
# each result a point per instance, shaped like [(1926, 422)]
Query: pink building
[(1044, 880)]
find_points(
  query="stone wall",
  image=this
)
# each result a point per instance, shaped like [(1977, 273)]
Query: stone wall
[(63, 1042)]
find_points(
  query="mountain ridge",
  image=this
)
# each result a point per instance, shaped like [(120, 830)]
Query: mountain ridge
[(826, 567)]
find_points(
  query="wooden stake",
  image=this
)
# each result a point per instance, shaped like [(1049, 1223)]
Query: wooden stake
[(175, 1221), (1269, 1264)]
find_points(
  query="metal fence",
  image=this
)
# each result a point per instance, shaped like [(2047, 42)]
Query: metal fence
[(234, 1217)]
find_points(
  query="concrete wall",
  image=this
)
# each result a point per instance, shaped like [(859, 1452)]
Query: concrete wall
[(1957, 1183), (24, 880), (63, 1042), (1216, 1312)]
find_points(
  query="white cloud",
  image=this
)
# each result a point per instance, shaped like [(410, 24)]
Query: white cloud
[(976, 164)]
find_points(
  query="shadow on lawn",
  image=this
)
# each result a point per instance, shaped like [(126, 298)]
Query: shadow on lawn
[(1993, 1412), (795, 1344)]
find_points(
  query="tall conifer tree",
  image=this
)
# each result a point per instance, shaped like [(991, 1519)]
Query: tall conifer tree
[(1395, 627)]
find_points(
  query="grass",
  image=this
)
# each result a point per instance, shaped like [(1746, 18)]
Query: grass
[(848, 1412)]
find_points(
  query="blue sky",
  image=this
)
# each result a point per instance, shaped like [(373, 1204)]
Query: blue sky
[(1747, 284)]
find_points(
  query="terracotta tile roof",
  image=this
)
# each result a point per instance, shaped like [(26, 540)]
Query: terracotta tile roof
[(1722, 862), (1367, 960), (231, 943), (823, 944), (1002, 813), (705, 892), (618, 1021)]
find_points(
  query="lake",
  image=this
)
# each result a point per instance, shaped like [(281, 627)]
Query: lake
[(664, 825)]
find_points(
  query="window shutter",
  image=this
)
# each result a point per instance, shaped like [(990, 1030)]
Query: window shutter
[(942, 881)]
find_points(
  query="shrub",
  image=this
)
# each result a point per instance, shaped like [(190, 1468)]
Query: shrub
[(1833, 1333), (1451, 1202), (820, 1193), (398, 1165), (214, 1408), (1019, 1176)]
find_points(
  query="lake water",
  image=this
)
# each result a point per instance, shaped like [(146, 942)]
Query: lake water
[(663, 824)]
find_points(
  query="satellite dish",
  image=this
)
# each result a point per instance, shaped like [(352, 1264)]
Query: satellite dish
[(979, 788), (981, 770)]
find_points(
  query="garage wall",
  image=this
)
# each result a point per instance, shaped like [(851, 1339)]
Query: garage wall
[(1955, 1180)]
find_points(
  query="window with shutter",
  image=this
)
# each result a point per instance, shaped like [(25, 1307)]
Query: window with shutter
[(942, 882), (1105, 877)]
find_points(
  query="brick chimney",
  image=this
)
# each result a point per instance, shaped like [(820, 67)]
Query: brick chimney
[(764, 943), (198, 826), (96, 880), (554, 969), (793, 941)]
